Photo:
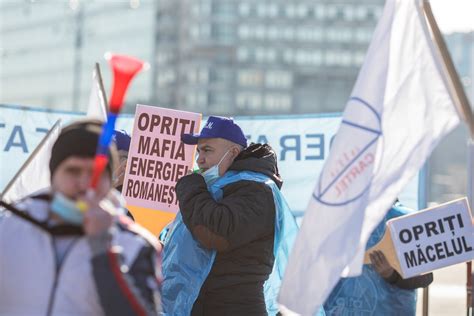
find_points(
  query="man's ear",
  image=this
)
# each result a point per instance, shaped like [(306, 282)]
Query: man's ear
[(235, 152)]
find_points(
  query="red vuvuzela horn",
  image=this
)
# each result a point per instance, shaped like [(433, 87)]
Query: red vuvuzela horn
[(124, 69)]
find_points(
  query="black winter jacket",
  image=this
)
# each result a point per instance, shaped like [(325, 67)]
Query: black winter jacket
[(241, 228)]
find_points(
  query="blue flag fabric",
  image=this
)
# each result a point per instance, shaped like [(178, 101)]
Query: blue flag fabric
[(186, 264), (369, 294)]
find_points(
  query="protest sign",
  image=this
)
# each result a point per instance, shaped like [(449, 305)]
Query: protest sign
[(435, 238), (157, 159), (428, 240)]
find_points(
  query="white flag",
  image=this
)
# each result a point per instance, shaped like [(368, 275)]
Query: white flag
[(34, 175), (399, 109), (97, 107)]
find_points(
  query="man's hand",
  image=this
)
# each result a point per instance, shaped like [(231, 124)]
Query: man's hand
[(97, 221), (380, 263)]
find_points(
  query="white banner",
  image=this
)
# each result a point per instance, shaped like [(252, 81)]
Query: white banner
[(300, 141)]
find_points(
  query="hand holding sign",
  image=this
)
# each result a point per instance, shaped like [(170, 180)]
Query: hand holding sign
[(431, 239), (381, 265)]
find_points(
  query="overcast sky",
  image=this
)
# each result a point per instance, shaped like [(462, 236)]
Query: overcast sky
[(454, 15)]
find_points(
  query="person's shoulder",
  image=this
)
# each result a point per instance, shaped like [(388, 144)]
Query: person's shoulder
[(399, 209), (36, 204), (247, 186)]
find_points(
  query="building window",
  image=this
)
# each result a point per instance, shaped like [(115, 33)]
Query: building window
[(219, 99), (196, 99), (288, 56), (259, 32), (244, 31), (290, 10), (223, 9), (272, 10), (307, 34), (265, 55), (361, 13), (363, 35), (224, 33), (349, 13), (316, 58), (262, 10), (330, 12), (272, 32), (164, 57), (244, 9), (166, 77), (203, 76), (302, 11), (204, 7), (308, 57), (377, 11), (267, 10), (220, 75), (249, 101), (338, 58), (201, 31), (319, 12), (358, 58), (339, 35), (278, 79), (278, 102), (198, 76), (250, 78), (243, 54), (288, 33)]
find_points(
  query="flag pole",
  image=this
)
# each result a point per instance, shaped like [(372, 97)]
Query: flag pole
[(461, 102), (454, 84), (101, 87), (30, 158)]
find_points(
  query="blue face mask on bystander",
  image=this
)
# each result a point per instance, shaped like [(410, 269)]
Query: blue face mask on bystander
[(212, 174), (66, 209)]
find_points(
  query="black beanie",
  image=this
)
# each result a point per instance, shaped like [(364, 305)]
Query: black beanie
[(80, 139)]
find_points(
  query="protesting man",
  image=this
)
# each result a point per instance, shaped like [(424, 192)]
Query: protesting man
[(380, 290), (233, 228), (68, 250)]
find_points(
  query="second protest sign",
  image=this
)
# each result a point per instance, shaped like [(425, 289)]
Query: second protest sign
[(157, 157)]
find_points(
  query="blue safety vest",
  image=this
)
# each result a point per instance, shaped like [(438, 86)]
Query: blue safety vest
[(186, 264), (369, 294)]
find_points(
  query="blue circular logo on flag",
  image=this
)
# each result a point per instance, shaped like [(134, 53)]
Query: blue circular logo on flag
[(348, 172)]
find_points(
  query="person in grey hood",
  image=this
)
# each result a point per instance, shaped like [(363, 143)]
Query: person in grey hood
[(71, 251)]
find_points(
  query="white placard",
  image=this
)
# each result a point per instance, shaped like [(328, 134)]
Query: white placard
[(434, 238)]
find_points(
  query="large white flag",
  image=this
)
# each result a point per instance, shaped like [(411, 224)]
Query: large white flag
[(34, 175), (399, 109), (97, 107)]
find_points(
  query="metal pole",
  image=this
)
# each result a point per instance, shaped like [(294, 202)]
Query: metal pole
[(154, 54), (470, 195), (454, 84), (423, 197), (76, 82), (103, 95)]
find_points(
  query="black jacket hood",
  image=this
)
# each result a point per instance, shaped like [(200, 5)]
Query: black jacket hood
[(258, 158)]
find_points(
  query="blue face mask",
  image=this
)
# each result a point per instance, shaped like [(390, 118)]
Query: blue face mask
[(66, 209), (212, 174)]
